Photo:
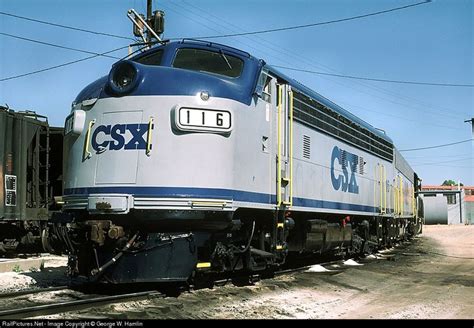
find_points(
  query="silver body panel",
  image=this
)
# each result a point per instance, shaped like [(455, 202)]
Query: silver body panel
[(217, 171)]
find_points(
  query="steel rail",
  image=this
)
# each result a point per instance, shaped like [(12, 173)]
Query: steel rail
[(29, 291), (75, 305)]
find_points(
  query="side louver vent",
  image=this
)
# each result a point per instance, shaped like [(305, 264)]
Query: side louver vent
[(343, 158), (306, 147), (361, 165)]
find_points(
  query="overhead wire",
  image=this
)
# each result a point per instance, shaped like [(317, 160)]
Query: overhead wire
[(94, 54), (315, 24), (443, 162), (64, 26), (60, 65), (288, 28), (396, 116), (377, 80), (321, 73), (56, 45), (411, 157), (191, 19), (453, 166), (270, 45), (180, 13), (76, 61), (438, 146), (410, 102)]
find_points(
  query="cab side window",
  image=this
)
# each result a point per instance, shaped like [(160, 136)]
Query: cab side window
[(265, 85)]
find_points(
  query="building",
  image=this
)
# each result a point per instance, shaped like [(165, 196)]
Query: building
[(448, 204)]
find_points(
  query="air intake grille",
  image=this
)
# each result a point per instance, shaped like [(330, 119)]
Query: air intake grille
[(306, 147), (361, 165), (343, 158)]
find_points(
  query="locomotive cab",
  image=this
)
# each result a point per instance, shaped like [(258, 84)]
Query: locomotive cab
[(154, 115), (154, 147)]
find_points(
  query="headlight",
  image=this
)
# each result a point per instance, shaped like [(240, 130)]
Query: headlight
[(123, 77)]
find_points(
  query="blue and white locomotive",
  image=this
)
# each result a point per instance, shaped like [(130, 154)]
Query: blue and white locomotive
[(194, 156)]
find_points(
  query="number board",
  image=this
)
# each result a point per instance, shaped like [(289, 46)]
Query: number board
[(69, 125), (211, 120)]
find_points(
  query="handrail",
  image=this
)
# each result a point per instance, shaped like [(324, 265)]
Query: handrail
[(149, 135), (375, 184), (291, 147), (401, 196), (289, 153), (395, 196), (385, 190), (381, 188), (280, 97), (87, 154)]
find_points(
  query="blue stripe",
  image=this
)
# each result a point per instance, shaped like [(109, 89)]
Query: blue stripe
[(305, 202), (228, 194), (173, 192)]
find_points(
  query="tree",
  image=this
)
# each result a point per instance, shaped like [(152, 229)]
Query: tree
[(450, 183)]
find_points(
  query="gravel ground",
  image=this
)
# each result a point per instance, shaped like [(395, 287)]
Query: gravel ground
[(431, 278), (51, 274)]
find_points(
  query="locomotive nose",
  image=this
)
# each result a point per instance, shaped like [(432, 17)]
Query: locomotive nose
[(124, 77)]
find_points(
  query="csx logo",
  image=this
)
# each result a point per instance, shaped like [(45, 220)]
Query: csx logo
[(344, 181), (114, 137)]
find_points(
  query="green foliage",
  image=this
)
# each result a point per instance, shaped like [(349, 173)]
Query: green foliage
[(16, 268), (450, 183)]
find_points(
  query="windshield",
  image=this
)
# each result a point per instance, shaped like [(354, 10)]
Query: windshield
[(151, 59), (208, 61)]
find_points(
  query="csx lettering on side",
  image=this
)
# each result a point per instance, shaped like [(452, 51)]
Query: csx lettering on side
[(343, 181)]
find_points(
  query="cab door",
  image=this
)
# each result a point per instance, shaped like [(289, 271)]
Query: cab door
[(278, 98)]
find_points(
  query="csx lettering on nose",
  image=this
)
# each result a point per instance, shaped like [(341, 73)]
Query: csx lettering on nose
[(119, 136)]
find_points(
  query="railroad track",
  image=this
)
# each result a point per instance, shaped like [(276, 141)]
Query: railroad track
[(73, 305), (337, 266), (31, 291), (333, 267)]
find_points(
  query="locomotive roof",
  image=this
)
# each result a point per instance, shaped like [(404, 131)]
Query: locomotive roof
[(171, 47), (295, 84), (247, 80), (326, 102)]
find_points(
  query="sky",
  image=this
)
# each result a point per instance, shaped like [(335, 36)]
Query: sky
[(433, 42)]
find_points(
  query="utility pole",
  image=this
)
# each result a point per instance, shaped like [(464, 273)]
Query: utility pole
[(148, 27), (149, 13)]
